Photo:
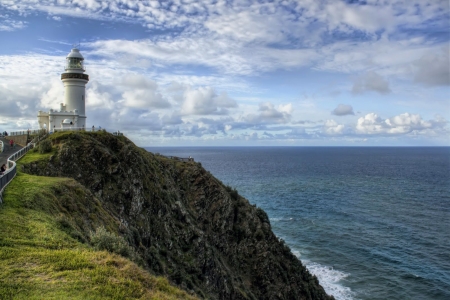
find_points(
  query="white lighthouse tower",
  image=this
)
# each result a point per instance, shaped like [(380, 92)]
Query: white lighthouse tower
[(72, 112), (75, 82)]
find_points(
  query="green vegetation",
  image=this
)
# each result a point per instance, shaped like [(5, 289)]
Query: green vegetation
[(101, 239), (44, 232), (45, 146)]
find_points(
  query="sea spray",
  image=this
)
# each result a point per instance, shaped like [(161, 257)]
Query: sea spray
[(331, 280)]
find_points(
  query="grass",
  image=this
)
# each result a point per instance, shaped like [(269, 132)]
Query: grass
[(42, 260)]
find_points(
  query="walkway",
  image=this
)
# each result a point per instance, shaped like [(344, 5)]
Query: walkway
[(7, 151)]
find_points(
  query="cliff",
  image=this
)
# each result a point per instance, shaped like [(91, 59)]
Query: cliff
[(177, 219)]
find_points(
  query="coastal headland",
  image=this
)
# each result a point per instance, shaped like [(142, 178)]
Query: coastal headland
[(97, 217)]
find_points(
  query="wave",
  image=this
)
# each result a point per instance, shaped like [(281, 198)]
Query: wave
[(329, 279), (281, 219)]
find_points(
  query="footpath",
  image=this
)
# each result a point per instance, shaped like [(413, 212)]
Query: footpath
[(7, 150)]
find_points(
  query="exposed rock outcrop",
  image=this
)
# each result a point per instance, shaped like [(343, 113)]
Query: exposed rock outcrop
[(182, 221)]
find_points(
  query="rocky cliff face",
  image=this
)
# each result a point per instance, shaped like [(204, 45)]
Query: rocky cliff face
[(182, 221)]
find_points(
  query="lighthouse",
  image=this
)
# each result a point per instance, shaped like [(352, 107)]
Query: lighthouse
[(72, 113), (75, 81)]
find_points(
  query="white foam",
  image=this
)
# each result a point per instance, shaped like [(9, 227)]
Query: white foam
[(329, 279), (281, 219)]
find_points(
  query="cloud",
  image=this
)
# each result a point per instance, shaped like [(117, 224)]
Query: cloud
[(53, 96), (99, 96), (140, 92), (370, 16), (222, 55), (433, 68), (343, 110), (269, 114), (249, 26), (371, 81), (11, 25), (372, 124), (200, 58), (205, 101), (172, 119), (248, 38), (331, 127)]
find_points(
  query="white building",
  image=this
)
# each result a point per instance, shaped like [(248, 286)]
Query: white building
[(71, 113)]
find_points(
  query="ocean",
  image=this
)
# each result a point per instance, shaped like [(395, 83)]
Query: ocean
[(369, 222)]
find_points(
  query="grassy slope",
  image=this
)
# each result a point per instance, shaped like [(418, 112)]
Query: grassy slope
[(41, 259)]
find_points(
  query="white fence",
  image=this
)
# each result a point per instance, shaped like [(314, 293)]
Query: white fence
[(38, 131), (23, 132), (11, 171)]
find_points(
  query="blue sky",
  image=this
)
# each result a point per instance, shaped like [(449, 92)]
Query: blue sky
[(247, 73)]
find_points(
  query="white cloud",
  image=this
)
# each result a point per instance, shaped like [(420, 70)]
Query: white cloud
[(433, 68), (145, 99), (205, 101), (331, 127), (343, 110), (11, 25), (248, 26), (187, 77), (140, 92), (270, 114), (371, 124), (172, 119), (98, 96), (53, 96), (371, 81), (404, 123), (368, 17)]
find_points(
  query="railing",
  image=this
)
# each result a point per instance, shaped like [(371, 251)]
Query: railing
[(10, 173), (68, 129), (38, 131), (23, 132)]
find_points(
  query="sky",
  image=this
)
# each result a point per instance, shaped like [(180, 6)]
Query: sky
[(236, 73)]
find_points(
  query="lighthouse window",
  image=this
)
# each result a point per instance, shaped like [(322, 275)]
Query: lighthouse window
[(82, 97), (74, 63)]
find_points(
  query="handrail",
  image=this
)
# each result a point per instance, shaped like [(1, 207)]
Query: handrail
[(38, 131), (10, 173), (23, 132)]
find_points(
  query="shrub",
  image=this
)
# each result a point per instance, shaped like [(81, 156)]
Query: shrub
[(233, 192), (101, 239), (262, 215), (259, 234), (45, 146)]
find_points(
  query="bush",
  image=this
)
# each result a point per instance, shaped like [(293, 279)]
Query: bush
[(101, 239), (262, 215), (233, 192), (45, 146)]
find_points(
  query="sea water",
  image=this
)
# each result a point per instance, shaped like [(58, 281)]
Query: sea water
[(370, 223)]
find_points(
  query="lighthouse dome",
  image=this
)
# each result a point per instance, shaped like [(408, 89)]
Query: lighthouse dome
[(75, 53), (75, 61)]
